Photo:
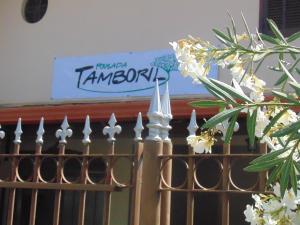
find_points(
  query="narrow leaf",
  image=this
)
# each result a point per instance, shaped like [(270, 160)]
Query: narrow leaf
[(208, 103), (276, 31), (285, 70), (269, 39), (220, 117), (296, 87), (263, 166), (231, 90), (287, 130), (285, 174), (209, 85), (251, 123), (268, 156), (222, 35), (274, 174), (282, 79), (293, 37), (293, 178), (274, 120), (285, 96), (230, 129)]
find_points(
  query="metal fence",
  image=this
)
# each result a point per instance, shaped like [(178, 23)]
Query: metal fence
[(150, 185)]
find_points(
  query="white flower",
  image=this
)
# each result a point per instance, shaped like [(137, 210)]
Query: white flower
[(289, 200), (261, 122), (288, 117), (251, 215), (202, 143), (258, 201)]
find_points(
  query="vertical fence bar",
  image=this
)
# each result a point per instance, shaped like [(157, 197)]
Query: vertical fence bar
[(137, 182), (84, 169), (13, 178), (83, 180), (167, 150), (110, 130), (62, 134), (58, 193), (262, 175), (190, 194), (107, 195), (192, 128), (166, 195), (225, 185), (37, 164), (150, 196)]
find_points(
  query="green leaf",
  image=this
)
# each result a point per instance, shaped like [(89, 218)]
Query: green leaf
[(231, 90), (293, 178), (285, 174), (220, 117), (269, 39), (285, 70), (287, 130), (274, 120), (297, 165), (276, 31), (230, 129), (222, 35), (268, 156), (293, 37), (285, 96), (208, 103), (282, 79), (251, 122), (263, 165), (210, 86), (296, 87), (298, 70), (274, 174)]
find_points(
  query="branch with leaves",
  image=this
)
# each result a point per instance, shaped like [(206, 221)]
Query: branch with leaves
[(273, 121)]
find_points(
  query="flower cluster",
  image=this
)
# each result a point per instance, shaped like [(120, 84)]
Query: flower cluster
[(202, 143), (195, 57), (274, 210)]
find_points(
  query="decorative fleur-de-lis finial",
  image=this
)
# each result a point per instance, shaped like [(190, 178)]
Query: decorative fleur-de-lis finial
[(138, 128), (87, 131), (2, 133), (167, 115), (223, 127), (64, 132), (112, 129), (155, 115), (18, 132), (40, 132), (193, 126)]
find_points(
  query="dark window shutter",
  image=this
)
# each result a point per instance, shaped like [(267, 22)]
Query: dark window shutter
[(286, 14)]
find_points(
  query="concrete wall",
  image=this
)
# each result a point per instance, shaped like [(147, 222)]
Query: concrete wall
[(77, 28)]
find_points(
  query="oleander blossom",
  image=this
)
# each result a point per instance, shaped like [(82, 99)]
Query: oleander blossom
[(272, 209), (202, 143)]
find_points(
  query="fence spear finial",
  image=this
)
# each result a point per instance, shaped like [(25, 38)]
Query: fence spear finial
[(40, 132), (18, 132), (64, 132), (112, 129), (87, 131), (167, 114), (138, 128), (193, 126), (154, 115)]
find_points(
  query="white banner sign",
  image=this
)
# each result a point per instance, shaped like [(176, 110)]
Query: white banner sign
[(121, 75)]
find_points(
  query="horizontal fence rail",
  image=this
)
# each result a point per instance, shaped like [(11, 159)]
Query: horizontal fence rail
[(151, 168)]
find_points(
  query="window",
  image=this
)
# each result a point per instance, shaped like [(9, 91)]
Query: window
[(34, 10), (285, 13)]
